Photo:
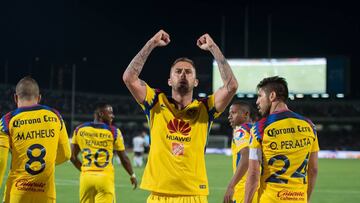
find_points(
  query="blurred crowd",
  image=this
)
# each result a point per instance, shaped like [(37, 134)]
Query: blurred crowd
[(337, 120)]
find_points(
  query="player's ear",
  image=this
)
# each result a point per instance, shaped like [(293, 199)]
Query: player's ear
[(272, 96), (247, 114), (169, 82), (39, 99), (16, 99), (196, 82)]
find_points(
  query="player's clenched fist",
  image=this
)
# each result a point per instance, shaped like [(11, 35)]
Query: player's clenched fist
[(161, 38), (205, 42)]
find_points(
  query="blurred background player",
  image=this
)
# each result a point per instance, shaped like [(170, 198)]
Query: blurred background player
[(285, 144), (96, 141), (241, 118), (179, 125), (147, 144), (37, 137), (139, 149)]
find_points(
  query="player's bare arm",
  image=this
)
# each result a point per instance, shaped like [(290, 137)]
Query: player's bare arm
[(312, 173), (239, 173), (224, 95), (127, 165), (252, 180), (75, 150), (131, 75)]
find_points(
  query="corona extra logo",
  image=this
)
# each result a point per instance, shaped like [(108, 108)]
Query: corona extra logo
[(179, 126)]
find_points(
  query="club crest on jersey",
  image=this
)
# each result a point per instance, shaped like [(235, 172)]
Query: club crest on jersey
[(179, 126), (177, 149), (239, 134), (239, 138)]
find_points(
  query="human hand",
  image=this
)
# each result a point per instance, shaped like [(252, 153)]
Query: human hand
[(133, 182), (205, 42), (228, 195), (160, 39)]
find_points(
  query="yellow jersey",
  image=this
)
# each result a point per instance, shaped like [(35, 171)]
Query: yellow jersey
[(286, 140), (176, 162), (33, 134), (97, 142), (240, 140)]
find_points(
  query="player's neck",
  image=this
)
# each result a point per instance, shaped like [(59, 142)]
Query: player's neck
[(241, 123), (26, 103), (278, 107), (98, 120), (181, 101)]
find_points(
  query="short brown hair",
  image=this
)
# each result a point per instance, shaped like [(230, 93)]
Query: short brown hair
[(185, 59), (27, 88), (101, 106), (253, 113), (276, 84)]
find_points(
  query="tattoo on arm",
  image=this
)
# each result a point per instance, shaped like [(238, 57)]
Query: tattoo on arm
[(226, 73), (228, 84), (137, 64), (223, 61)]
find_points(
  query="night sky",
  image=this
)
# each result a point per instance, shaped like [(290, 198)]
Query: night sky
[(101, 37)]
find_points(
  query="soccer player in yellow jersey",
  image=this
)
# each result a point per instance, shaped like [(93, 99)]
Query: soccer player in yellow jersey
[(37, 138), (96, 141), (285, 144), (240, 118), (179, 125)]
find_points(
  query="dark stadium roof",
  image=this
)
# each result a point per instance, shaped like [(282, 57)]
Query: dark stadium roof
[(101, 37)]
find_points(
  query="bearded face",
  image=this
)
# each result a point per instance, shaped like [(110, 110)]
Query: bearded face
[(183, 77), (263, 103)]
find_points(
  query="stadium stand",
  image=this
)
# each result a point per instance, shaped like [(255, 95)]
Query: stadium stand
[(337, 120)]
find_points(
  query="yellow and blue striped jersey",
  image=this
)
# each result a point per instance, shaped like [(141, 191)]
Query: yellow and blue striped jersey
[(176, 162), (33, 135), (286, 140), (240, 140), (97, 142)]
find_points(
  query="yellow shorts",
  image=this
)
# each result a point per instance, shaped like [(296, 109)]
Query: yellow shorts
[(97, 188), (28, 198), (239, 195), (284, 196), (159, 198)]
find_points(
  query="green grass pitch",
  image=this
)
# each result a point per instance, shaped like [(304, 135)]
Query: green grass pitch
[(338, 181)]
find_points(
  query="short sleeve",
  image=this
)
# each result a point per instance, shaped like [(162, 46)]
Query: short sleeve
[(4, 131), (4, 140), (63, 138), (210, 105), (254, 139), (315, 146), (119, 142), (150, 99), (74, 137)]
